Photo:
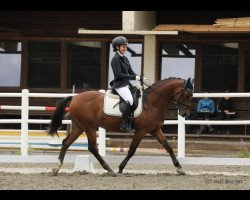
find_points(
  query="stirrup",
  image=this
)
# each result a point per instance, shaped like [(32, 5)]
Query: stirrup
[(122, 128)]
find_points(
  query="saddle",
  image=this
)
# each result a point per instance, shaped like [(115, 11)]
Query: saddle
[(114, 105), (135, 94)]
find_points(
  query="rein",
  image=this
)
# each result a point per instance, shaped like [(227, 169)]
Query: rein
[(145, 96), (177, 104)]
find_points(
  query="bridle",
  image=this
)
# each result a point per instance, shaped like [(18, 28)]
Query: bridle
[(178, 104)]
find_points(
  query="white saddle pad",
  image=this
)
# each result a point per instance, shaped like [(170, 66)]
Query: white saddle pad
[(110, 100)]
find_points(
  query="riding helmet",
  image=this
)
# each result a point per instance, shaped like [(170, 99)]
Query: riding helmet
[(120, 40)]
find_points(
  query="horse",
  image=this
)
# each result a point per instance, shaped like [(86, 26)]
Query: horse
[(87, 114)]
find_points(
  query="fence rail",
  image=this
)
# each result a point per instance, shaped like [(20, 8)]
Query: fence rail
[(181, 122), (25, 95), (42, 108)]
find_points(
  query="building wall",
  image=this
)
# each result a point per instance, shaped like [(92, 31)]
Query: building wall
[(58, 23), (63, 26)]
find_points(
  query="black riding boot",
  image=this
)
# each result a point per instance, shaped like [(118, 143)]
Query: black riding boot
[(127, 119)]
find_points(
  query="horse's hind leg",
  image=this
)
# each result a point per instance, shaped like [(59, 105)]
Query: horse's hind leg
[(91, 133), (133, 146), (71, 137), (158, 134)]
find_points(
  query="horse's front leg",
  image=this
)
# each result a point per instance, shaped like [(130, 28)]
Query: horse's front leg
[(133, 146), (92, 147), (158, 134)]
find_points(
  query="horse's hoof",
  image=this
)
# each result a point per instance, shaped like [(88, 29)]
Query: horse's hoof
[(119, 173), (112, 173), (54, 172), (84, 172), (180, 171)]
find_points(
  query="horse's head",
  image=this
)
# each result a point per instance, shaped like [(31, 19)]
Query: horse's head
[(182, 97)]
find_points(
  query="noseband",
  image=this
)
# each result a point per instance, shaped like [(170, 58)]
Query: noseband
[(179, 105)]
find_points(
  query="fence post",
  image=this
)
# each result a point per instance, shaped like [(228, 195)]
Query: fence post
[(181, 137), (24, 124), (102, 141)]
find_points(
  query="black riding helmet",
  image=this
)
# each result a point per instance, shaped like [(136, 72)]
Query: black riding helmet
[(120, 40)]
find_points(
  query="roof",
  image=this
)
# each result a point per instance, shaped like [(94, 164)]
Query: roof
[(226, 25)]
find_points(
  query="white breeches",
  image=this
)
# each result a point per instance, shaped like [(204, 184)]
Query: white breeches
[(125, 93)]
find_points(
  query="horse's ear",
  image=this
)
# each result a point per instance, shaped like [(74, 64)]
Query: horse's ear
[(186, 82), (190, 84)]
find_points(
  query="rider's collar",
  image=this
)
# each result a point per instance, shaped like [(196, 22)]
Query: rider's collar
[(120, 54)]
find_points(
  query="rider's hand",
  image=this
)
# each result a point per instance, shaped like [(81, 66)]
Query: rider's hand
[(138, 78)]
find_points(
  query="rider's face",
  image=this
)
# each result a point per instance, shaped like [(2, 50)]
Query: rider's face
[(123, 49)]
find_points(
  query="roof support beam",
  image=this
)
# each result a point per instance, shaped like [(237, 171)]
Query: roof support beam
[(126, 32)]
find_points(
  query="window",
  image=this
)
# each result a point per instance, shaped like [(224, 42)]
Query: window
[(84, 65), (134, 55), (10, 64), (177, 60), (247, 67), (44, 64), (220, 67)]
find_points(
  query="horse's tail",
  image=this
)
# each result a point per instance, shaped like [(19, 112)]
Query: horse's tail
[(57, 117)]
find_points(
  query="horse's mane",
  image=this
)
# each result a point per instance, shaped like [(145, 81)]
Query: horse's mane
[(152, 87), (159, 82)]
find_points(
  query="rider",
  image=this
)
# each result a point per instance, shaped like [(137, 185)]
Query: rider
[(122, 74)]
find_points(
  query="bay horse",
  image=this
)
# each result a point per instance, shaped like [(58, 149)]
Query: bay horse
[(87, 114)]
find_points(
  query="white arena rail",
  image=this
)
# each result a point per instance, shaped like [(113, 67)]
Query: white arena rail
[(43, 108), (25, 117), (102, 133), (181, 120)]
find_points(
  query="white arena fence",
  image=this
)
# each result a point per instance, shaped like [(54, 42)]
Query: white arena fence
[(25, 95)]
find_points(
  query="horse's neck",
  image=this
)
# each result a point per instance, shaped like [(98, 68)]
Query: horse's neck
[(164, 92), (159, 101)]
